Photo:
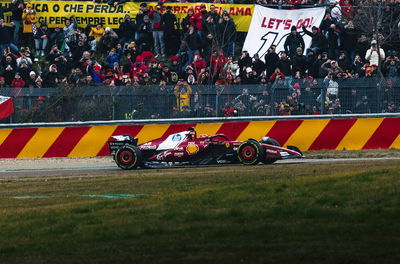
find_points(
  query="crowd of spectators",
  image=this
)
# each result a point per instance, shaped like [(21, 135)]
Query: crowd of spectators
[(181, 57)]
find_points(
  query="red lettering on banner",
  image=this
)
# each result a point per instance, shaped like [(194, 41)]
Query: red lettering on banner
[(278, 22), (240, 11), (299, 23), (263, 22), (288, 23), (271, 22), (247, 12), (307, 22)]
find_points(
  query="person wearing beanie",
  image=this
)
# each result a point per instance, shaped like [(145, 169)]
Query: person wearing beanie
[(127, 30), (30, 81), (171, 33), (318, 40), (299, 62), (143, 11), (293, 41), (145, 34), (333, 41)]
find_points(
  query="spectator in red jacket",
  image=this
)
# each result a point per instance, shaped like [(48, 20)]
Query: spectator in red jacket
[(17, 83), (197, 19), (199, 63)]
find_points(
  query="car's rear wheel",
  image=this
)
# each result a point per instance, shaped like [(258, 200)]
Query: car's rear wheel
[(128, 157), (250, 152)]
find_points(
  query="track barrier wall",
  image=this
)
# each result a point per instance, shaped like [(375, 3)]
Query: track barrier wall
[(89, 139)]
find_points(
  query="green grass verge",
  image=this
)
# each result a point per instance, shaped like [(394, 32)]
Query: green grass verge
[(294, 213)]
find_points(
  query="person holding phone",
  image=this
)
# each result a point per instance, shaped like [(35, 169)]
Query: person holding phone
[(29, 20)]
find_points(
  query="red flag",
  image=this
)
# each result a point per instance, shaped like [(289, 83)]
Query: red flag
[(6, 107)]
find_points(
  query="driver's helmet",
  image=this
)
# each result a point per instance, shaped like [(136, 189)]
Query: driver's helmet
[(265, 139), (192, 133)]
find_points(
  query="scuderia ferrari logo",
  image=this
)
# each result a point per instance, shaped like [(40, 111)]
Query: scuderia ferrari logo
[(192, 149)]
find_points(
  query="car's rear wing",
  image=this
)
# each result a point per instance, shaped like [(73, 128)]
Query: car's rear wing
[(120, 141)]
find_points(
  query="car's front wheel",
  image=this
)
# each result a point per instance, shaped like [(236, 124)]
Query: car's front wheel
[(250, 152), (128, 157)]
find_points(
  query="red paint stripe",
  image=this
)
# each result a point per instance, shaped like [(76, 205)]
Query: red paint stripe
[(175, 128), (282, 130), (15, 142), (120, 130), (384, 135), (232, 129), (66, 142), (332, 134)]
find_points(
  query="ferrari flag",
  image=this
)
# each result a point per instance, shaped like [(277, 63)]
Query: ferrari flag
[(272, 26), (6, 107)]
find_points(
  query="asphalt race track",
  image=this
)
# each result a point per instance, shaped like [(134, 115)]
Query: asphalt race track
[(93, 166)]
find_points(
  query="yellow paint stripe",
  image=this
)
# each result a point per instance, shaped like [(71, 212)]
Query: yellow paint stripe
[(207, 128), (150, 132), (4, 133), (92, 142), (256, 130), (40, 142), (359, 133), (396, 143), (307, 133)]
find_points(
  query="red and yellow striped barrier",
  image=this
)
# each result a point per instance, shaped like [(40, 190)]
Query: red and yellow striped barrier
[(309, 134)]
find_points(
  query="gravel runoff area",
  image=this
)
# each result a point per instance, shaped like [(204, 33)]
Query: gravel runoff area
[(108, 162)]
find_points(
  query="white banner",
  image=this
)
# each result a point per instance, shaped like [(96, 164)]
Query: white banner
[(272, 26)]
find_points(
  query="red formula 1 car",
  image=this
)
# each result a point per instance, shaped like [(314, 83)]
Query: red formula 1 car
[(186, 148)]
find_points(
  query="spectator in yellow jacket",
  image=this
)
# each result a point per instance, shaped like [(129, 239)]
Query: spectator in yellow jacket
[(96, 33), (28, 19), (182, 93)]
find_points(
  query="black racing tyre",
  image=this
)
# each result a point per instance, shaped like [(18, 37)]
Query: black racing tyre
[(250, 152), (128, 157)]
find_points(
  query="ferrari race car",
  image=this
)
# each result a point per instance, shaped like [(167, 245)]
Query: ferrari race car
[(185, 148)]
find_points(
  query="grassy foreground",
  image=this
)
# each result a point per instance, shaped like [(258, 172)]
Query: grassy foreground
[(293, 213)]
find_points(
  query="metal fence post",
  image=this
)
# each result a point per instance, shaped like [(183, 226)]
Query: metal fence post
[(322, 100)]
